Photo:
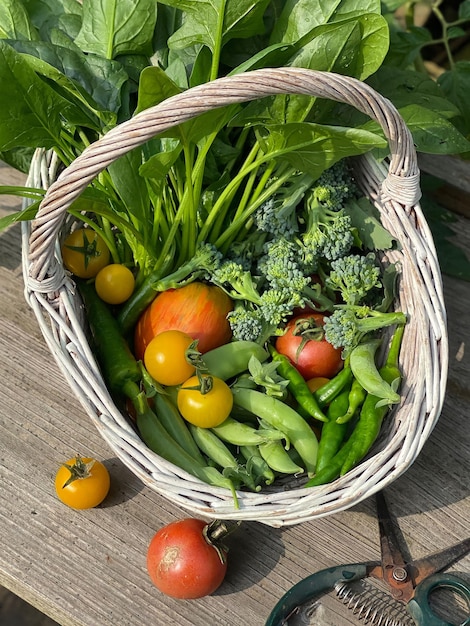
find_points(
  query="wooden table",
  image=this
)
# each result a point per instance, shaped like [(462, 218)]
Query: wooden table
[(88, 568)]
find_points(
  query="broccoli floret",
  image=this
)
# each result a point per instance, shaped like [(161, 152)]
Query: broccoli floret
[(277, 216), (354, 276), (346, 327), (237, 282), (247, 324), (328, 230), (206, 260)]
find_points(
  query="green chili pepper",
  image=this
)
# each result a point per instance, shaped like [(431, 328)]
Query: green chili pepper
[(366, 430), (356, 397), (282, 417), (298, 386), (373, 411), (332, 432), (364, 368), (327, 392)]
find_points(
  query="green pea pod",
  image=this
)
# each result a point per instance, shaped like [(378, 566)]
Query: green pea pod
[(257, 466), (332, 432), (364, 368), (241, 434), (232, 358), (356, 397), (278, 459), (282, 417), (297, 386), (218, 452)]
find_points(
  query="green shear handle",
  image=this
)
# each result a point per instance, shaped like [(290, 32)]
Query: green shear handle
[(419, 606), (314, 585)]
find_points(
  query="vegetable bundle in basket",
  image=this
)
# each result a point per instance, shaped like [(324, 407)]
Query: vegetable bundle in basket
[(252, 244)]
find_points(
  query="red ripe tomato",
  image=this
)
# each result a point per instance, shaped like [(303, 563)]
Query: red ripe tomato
[(197, 309), (305, 346), (183, 563)]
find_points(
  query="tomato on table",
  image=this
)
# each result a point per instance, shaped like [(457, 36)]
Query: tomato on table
[(197, 309), (183, 562), (85, 253), (303, 342), (114, 283), (82, 483), (165, 358), (205, 401)]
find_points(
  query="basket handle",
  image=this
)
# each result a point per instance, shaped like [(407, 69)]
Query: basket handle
[(401, 183)]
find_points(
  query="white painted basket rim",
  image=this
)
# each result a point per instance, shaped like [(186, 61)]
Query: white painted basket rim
[(395, 191)]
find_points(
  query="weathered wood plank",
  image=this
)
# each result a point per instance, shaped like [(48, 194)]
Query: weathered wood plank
[(88, 568)]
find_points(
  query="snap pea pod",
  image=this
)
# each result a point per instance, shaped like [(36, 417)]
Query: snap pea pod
[(356, 397), (297, 386), (257, 466), (217, 451), (232, 358), (332, 432), (276, 456), (327, 392), (283, 418), (242, 434), (364, 369), (122, 374), (373, 411)]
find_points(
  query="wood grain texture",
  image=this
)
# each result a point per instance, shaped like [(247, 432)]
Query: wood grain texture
[(87, 568)]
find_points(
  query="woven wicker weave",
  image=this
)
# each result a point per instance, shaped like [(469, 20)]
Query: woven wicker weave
[(51, 293)]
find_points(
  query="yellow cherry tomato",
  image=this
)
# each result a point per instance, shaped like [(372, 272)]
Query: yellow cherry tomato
[(115, 283), (205, 408), (165, 360), (82, 483), (84, 253)]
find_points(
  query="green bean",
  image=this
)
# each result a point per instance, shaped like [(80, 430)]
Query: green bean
[(257, 466), (232, 359), (241, 434), (283, 418), (356, 397), (298, 386), (332, 432), (373, 410), (327, 392), (364, 368), (278, 459), (175, 425), (333, 469)]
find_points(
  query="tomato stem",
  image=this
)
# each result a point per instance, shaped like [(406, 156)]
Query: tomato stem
[(79, 469), (216, 531)]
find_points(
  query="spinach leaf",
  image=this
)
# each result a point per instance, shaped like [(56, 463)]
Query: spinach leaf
[(15, 22), (47, 15), (114, 27)]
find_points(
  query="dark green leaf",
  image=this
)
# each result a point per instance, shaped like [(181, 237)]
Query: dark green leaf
[(365, 218), (455, 84), (14, 21), (114, 27), (49, 15), (464, 10)]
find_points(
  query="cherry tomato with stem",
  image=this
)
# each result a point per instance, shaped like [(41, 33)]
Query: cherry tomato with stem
[(165, 357), (187, 559), (82, 482), (84, 253), (304, 343), (205, 401)]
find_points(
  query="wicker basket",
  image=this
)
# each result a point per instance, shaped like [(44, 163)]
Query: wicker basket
[(52, 295)]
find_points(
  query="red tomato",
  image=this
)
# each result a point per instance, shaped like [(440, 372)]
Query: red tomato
[(313, 357), (199, 310), (182, 563)]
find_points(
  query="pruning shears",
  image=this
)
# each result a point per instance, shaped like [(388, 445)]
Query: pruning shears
[(409, 582)]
